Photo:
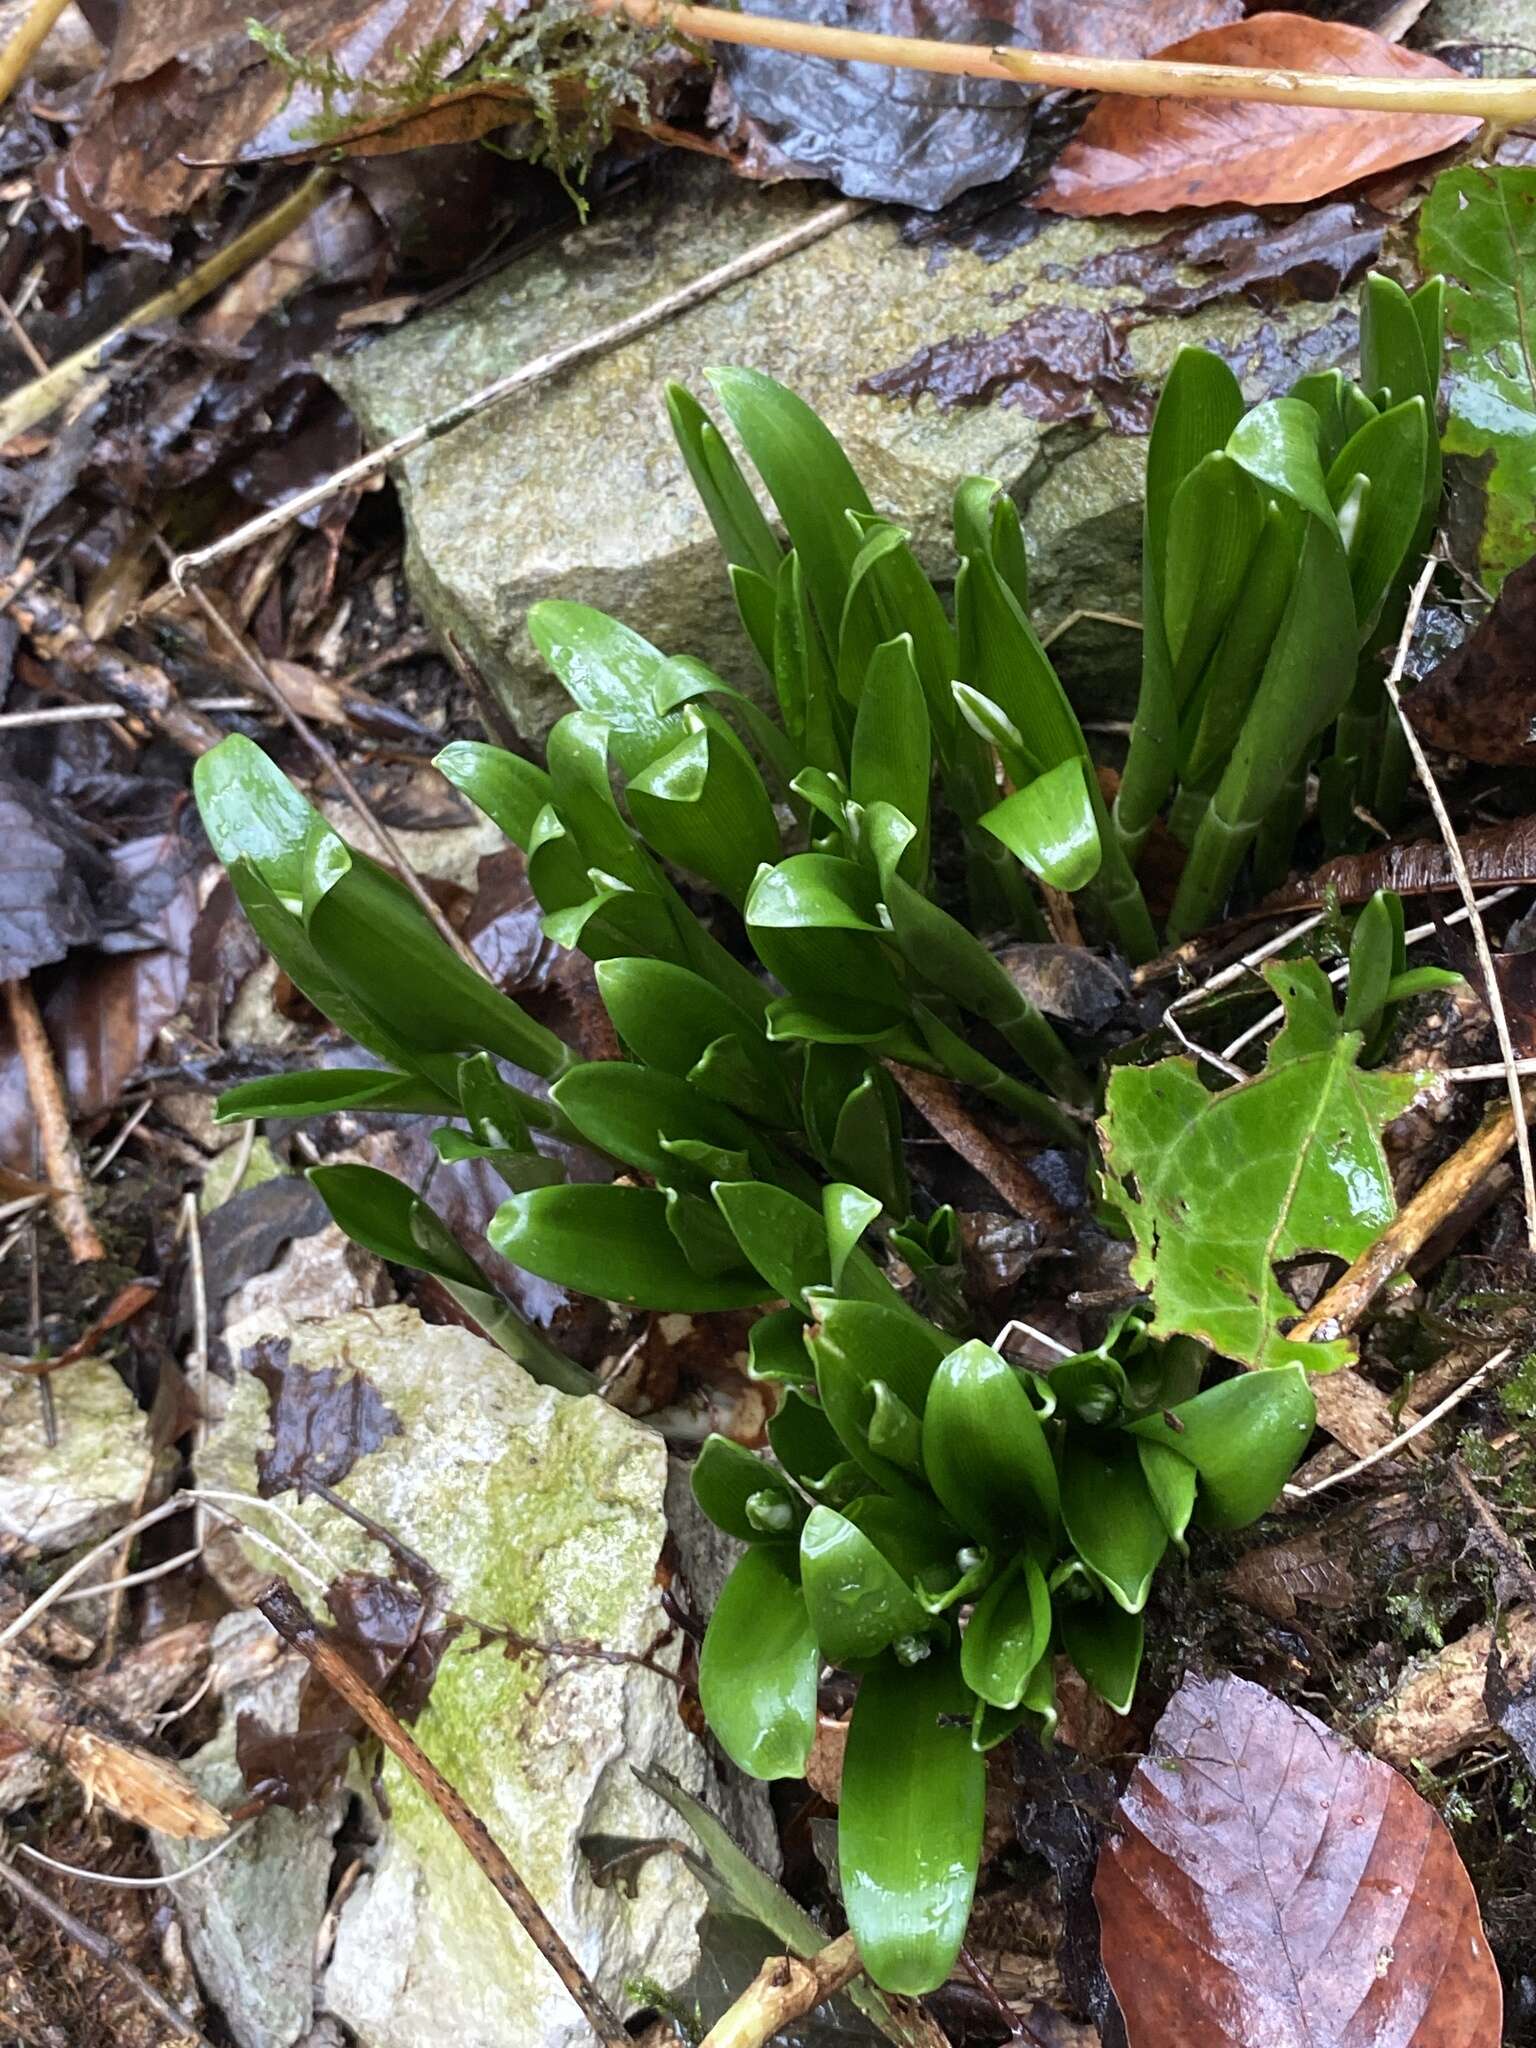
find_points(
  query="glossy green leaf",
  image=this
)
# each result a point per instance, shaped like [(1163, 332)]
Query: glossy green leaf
[(741, 1495), (1478, 227), (1244, 1437), (686, 681), (321, 1091), (1172, 1482), (1219, 1188), (854, 1344), (858, 1602), (389, 1219), (809, 479), (984, 1450), (702, 806), (910, 1822), (1214, 525), (1375, 955), (510, 790), (786, 1240), (892, 759), (739, 522), (1278, 444), (1008, 1634), (1110, 1515), (627, 1111), (776, 1350), (1050, 825), (615, 1242), (758, 1668), (609, 671), (672, 1018), (1389, 453), (889, 597), (1105, 1643), (802, 1439), (814, 923)]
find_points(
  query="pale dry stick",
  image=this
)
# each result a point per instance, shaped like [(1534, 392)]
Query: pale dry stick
[(1415, 1428), (22, 339), (1493, 995), (1029, 1330), (1504, 102), (140, 1884), (537, 371), (784, 1990), (33, 403), (61, 1161), (1493, 1070), (938, 1102), (330, 762), (1342, 1307), (106, 1951), (54, 626), (1338, 974), (294, 1623), (1250, 963), (121, 1583), (199, 1355), (36, 26)]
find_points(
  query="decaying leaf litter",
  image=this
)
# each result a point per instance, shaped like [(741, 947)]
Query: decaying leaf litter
[(207, 1377)]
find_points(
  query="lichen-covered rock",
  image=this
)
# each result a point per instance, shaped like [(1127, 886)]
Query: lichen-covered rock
[(251, 1917), (574, 489), (544, 1515), (89, 1481)]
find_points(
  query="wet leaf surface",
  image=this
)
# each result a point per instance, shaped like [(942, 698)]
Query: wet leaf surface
[(1481, 232), (1270, 1885), (1060, 363), (1149, 155), (1495, 856), (1481, 700), (45, 894), (914, 137), (321, 1422), (1245, 252)]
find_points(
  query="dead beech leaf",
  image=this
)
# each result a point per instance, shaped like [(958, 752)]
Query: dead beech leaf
[(1481, 700), (1149, 155), (1497, 856), (1272, 1887)]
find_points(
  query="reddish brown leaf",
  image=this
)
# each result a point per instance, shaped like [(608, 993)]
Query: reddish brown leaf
[(1481, 700), (1053, 365), (1497, 856), (1149, 155), (1272, 1887), (322, 1422)]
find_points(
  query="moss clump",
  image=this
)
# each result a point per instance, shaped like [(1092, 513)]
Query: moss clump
[(577, 72)]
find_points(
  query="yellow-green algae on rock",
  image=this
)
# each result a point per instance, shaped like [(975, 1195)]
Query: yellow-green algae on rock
[(544, 1515)]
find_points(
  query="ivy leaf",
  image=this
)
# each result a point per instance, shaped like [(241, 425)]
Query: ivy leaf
[(1218, 1188), (1479, 226)]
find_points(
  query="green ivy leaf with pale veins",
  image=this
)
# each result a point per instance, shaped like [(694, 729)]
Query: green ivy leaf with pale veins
[(1218, 1188)]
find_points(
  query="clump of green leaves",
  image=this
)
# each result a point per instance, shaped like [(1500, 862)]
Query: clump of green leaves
[(1278, 545), (574, 72), (937, 1520)]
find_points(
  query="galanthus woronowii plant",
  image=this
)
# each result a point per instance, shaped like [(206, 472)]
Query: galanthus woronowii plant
[(940, 1522)]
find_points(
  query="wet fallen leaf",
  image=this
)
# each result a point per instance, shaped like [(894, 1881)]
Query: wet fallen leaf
[(1270, 1885), (915, 137), (1479, 228), (1060, 363), (1240, 251), (1481, 700), (243, 1237), (321, 1422), (1149, 155), (1496, 855), (45, 893)]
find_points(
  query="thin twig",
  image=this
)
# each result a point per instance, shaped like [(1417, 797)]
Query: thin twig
[(1493, 993), (198, 1357), (938, 1102), (61, 1161), (22, 339), (54, 626), (1505, 102), (784, 1990), (104, 1949), (189, 566), (1415, 1428), (24, 45), (33, 403), (293, 1622), (325, 755)]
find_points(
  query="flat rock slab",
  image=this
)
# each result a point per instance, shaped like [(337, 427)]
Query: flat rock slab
[(91, 1479), (544, 1515), (574, 488)]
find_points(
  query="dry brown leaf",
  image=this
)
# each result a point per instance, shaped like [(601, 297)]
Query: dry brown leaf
[(1149, 155), (1481, 700), (1270, 1886)]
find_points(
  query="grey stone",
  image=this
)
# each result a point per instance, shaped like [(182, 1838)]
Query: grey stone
[(92, 1478), (574, 489), (545, 1515), (251, 1917)]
